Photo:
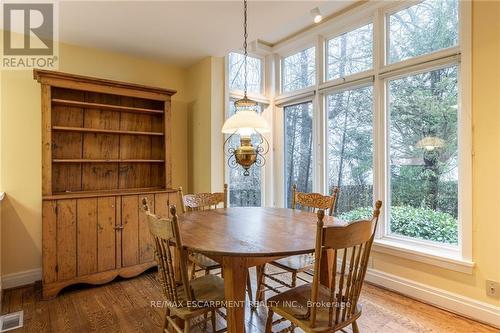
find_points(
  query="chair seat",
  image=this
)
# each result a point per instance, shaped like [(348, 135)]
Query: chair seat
[(296, 263), (293, 303), (206, 288), (203, 261)]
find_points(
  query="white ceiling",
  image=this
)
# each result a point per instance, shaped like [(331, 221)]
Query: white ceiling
[(182, 32)]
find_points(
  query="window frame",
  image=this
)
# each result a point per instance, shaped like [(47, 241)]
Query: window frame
[(458, 258)]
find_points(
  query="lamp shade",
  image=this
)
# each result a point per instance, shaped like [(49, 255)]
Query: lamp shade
[(245, 122)]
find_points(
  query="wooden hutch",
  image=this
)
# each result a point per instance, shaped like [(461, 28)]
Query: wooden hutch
[(105, 145)]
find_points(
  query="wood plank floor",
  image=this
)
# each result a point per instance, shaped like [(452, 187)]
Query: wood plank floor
[(125, 306)]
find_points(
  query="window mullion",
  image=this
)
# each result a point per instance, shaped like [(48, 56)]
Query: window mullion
[(379, 122)]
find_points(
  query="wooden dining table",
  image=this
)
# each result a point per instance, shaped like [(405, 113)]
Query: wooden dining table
[(243, 237)]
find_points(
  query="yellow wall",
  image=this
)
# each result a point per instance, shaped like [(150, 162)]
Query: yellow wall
[(486, 168), (205, 86), (20, 137)]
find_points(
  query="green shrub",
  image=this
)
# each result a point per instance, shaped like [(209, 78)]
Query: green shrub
[(423, 223)]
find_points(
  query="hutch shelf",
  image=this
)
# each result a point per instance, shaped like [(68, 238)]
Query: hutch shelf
[(105, 145)]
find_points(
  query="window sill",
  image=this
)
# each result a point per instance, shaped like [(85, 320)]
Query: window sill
[(444, 258)]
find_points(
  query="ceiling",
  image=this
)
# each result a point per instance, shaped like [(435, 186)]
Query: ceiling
[(182, 32)]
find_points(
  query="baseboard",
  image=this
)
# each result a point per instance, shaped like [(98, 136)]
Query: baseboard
[(21, 278), (465, 306)]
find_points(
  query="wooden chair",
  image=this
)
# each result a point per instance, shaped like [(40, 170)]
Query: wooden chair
[(298, 263), (314, 307), (205, 201), (197, 202), (189, 298)]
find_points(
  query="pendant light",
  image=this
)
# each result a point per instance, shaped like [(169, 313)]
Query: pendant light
[(247, 124)]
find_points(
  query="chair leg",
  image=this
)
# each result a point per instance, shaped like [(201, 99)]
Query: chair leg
[(187, 326), (249, 287), (165, 322), (355, 328), (259, 295), (269, 322), (294, 279), (214, 327), (193, 271)]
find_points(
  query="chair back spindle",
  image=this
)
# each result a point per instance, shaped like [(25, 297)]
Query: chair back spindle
[(314, 201), (351, 246)]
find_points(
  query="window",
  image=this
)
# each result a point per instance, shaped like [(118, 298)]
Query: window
[(350, 150), (381, 127), (424, 155), (429, 26), (237, 73), (299, 70), (244, 191), (298, 148), (350, 53)]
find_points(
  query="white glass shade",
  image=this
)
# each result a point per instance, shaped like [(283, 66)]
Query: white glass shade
[(245, 123)]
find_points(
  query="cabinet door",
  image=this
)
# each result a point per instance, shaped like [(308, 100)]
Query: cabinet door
[(106, 233), (66, 239), (130, 231), (49, 241), (87, 236), (162, 202), (145, 242), (137, 247)]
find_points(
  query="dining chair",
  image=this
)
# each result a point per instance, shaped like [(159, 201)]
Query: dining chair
[(298, 263), (314, 307), (189, 298), (200, 202)]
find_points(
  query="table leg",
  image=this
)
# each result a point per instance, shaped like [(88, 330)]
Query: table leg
[(327, 262), (235, 277)]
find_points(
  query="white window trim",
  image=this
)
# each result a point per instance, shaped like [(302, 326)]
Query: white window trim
[(449, 257)]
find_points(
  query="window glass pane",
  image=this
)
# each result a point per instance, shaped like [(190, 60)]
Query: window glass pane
[(350, 151), (424, 155), (298, 148), (299, 70), (237, 73), (423, 28), (244, 191), (350, 53)]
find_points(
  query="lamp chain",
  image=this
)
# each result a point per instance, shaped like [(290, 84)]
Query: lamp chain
[(245, 42)]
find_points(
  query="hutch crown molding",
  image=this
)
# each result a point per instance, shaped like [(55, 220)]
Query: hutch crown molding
[(105, 145)]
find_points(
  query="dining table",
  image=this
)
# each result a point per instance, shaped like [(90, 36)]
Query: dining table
[(242, 237)]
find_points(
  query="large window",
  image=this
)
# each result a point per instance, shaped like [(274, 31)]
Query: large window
[(299, 70), (350, 148), (388, 119), (298, 148), (244, 190), (424, 155)]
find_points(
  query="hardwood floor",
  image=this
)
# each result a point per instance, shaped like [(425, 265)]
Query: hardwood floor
[(125, 306)]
